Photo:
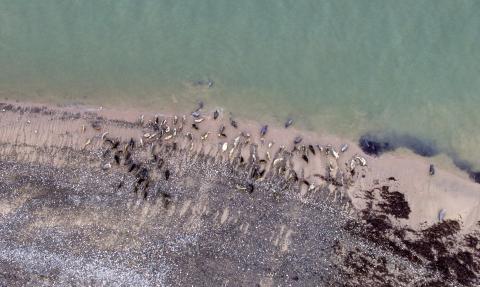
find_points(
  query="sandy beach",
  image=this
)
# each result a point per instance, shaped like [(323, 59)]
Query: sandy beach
[(202, 192)]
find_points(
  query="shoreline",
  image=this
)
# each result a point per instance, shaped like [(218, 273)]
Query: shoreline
[(166, 178), (411, 171), (372, 142)]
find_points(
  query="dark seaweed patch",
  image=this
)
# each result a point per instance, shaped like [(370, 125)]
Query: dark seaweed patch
[(395, 203), (439, 247)]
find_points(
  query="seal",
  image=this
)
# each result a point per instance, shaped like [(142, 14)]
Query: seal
[(288, 123), (233, 123), (221, 132), (297, 140), (305, 157), (263, 130), (96, 125), (334, 153), (361, 160), (131, 143), (116, 157), (86, 143), (205, 136), (431, 170), (441, 214)]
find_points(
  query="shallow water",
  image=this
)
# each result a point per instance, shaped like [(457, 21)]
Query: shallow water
[(345, 67)]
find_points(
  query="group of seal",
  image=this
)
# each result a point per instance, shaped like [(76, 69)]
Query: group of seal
[(163, 137)]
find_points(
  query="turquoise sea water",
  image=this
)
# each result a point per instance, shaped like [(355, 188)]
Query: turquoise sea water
[(345, 67)]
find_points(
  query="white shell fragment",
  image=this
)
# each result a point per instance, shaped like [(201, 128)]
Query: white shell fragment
[(344, 148), (224, 146)]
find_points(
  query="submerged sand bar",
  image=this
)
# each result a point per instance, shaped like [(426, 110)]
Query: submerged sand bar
[(177, 199)]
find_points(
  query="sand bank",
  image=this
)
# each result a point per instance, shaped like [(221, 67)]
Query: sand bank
[(171, 166), (448, 189)]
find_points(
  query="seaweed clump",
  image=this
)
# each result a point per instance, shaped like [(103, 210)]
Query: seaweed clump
[(449, 257), (394, 203)]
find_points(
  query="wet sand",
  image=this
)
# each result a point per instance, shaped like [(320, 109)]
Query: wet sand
[(163, 203)]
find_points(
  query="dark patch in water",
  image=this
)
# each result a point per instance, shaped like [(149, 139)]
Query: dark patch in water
[(376, 144), (372, 145), (475, 176), (467, 167)]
